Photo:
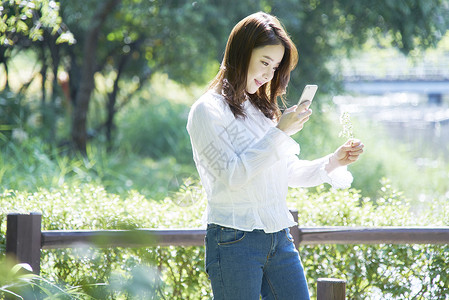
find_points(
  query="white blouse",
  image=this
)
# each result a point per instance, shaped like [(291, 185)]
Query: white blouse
[(247, 164)]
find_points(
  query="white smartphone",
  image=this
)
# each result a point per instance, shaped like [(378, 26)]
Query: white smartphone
[(308, 93)]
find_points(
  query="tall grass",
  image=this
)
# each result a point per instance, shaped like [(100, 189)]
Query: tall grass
[(157, 130), (33, 164)]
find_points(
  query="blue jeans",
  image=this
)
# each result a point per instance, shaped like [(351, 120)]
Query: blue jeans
[(243, 265)]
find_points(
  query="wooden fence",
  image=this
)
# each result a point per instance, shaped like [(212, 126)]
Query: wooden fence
[(25, 239)]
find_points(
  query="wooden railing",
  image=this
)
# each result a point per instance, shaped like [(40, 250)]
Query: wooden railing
[(25, 239)]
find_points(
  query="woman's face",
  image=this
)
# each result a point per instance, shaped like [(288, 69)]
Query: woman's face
[(262, 65)]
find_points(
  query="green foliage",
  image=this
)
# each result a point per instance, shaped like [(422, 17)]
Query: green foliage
[(13, 116), (382, 271), (90, 207), (157, 129), (17, 282), (94, 192), (186, 39), (324, 31), (319, 136), (372, 271), (153, 146), (33, 164), (30, 19)]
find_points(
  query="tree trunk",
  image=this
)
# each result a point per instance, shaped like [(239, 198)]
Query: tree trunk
[(55, 59), (44, 78), (43, 73), (112, 99), (79, 128)]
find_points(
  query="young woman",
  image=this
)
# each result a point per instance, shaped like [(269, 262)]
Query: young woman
[(247, 160)]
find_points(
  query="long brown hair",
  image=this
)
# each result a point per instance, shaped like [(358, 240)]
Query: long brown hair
[(256, 30)]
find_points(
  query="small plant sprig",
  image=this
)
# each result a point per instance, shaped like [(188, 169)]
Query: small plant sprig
[(345, 121)]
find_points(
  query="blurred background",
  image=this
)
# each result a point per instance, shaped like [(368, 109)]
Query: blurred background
[(96, 94), (117, 78)]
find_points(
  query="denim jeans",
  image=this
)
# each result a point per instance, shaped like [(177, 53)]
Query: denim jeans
[(243, 265)]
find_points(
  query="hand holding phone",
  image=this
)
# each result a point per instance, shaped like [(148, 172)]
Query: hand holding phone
[(308, 93), (292, 120)]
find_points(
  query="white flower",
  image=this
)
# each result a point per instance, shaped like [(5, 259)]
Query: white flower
[(345, 120)]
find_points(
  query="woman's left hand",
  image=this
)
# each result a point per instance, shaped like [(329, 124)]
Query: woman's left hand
[(346, 154), (349, 152)]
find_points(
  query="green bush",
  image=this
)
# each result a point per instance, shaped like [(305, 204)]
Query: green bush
[(32, 164), (371, 271), (91, 207), (374, 271), (156, 129)]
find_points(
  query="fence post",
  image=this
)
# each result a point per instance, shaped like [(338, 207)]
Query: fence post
[(23, 238), (331, 289), (294, 230)]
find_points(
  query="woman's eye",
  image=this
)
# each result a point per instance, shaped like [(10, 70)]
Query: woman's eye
[(265, 63)]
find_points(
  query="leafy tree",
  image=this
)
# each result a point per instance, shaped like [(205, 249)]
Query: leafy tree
[(25, 22), (129, 40), (86, 85), (143, 37), (326, 30), (34, 24)]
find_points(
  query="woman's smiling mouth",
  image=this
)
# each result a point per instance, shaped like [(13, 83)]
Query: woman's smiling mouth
[(258, 83)]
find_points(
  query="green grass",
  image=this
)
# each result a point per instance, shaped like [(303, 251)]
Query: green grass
[(33, 165)]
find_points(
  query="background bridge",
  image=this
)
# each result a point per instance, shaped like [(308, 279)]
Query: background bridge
[(410, 99), (398, 74)]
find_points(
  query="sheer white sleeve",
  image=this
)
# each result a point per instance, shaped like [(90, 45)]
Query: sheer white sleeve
[(306, 173)]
